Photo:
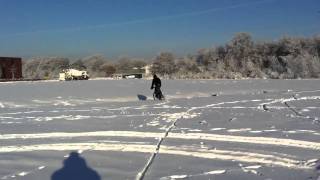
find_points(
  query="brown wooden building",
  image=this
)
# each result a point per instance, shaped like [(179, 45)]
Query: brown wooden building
[(10, 68)]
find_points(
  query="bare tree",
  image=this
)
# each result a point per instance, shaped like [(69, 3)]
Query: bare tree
[(93, 64), (124, 65), (78, 64), (109, 69), (164, 64)]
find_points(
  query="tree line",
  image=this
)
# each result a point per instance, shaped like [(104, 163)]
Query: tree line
[(241, 57), (96, 65)]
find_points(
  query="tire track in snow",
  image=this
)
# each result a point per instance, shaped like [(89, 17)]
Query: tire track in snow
[(241, 156), (172, 117), (314, 120), (282, 100), (185, 176), (185, 136), (294, 143), (247, 169), (285, 101), (142, 173)]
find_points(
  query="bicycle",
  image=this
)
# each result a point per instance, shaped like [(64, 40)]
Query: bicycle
[(157, 94)]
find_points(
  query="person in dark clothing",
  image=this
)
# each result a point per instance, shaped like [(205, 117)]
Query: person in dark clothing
[(156, 84)]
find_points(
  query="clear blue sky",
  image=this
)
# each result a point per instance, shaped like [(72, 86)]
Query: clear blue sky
[(143, 28)]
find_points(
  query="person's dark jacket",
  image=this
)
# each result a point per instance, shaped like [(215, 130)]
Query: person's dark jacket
[(156, 83)]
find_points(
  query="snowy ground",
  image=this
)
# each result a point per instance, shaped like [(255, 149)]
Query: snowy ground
[(221, 129)]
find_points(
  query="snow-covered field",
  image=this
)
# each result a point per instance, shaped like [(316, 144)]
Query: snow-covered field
[(205, 129)]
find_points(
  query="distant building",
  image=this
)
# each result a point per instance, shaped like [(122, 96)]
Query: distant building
[(134, 73), (128, 76), (10, 68)]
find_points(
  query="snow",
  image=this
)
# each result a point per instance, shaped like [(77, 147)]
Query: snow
[(190, 135)]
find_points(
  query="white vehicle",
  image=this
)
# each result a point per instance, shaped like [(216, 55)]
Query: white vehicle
[(73, 74), (131, 77)]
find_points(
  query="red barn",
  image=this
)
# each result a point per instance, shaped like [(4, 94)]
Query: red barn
[(10, 68)]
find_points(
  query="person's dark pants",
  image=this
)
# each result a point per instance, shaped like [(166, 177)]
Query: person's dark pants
[(158, 93)]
